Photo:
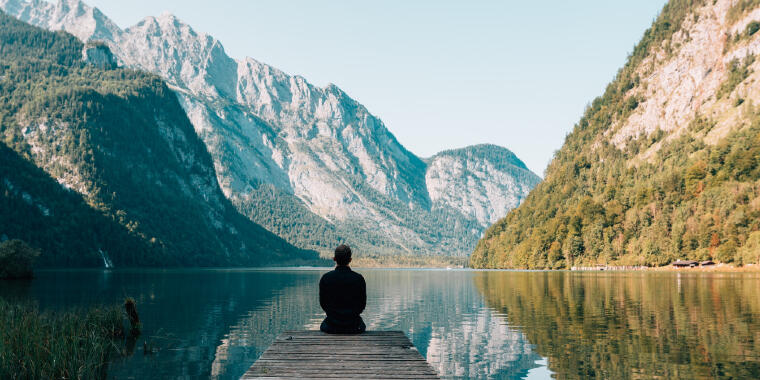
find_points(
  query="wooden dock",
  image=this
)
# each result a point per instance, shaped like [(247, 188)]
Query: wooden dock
[(316, 355)]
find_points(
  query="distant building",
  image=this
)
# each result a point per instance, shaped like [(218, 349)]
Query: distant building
[(685, 264), (707, 263)]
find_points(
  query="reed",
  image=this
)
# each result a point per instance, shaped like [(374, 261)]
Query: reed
[(76, 344)]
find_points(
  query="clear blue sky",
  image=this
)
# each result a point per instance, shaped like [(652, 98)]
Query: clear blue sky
[(440, 74)]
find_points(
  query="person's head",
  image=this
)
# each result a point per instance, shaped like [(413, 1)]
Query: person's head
[(342, 255)]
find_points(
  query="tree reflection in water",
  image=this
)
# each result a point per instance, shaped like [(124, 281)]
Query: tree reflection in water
[(634, 325), (216, 323), (441, 311)]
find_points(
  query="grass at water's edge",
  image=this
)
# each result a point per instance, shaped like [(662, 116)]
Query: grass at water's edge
[(58, 345)]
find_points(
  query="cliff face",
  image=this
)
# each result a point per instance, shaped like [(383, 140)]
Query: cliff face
[(309, 163), (664, 165), (120, 142), (483, 182)]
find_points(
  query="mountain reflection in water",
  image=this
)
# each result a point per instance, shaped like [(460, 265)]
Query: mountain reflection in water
[(634, 325), (216, 323)]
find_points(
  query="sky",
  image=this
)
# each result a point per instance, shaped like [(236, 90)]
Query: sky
[(440, 74)]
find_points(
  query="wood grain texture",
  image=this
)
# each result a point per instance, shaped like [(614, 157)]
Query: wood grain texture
[(316, 355)]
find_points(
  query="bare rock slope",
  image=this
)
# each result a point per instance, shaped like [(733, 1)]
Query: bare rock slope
[(309, 163)]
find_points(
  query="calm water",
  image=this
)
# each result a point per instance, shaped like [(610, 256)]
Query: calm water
[(468, 324)]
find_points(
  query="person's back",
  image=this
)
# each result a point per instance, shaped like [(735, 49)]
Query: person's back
[(343, 296)]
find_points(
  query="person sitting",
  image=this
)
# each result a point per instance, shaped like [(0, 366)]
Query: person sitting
[(343, 296)]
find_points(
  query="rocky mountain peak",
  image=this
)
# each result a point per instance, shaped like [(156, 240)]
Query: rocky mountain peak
[(483, 181), (171, 27), (76, 17), (169, 18), (494, 153), (316, 145), (171, 48)]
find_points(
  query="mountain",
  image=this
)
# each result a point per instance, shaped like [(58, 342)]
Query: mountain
[(664, 165), (310, 164), (101, 164), (483, 182)]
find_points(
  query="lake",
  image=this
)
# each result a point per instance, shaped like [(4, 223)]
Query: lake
[(468, 324)]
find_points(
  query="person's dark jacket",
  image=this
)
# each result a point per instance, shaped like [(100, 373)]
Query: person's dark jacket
[(343, 296)]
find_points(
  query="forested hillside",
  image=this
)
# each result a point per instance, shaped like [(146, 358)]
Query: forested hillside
[(37, 209), (664, 165), (309, 163), (133, 180)]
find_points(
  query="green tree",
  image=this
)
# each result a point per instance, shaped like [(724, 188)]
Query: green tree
[(17, 259), (749, 253)]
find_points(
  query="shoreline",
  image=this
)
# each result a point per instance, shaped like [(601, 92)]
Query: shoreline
[(361, 264), (670, 268)]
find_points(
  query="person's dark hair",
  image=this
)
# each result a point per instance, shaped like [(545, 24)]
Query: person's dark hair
[(343, 254)]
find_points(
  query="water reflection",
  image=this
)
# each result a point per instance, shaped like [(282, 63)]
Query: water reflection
[(216, 323), (634, 325), (445, 317)]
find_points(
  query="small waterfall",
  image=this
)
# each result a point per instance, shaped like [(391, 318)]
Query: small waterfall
[(106, 261)]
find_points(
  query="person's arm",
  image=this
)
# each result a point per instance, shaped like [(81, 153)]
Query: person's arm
[(322, 297), (362, 295)]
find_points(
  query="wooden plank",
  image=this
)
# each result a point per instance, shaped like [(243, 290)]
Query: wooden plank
[(340, 374), (365, 334), (316, 355), (357, 373), (313, 363), (376, 338), (381, 340), (351, 357), (347, 372), (366, 368), (333, 375)]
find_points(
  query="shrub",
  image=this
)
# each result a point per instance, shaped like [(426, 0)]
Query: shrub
[(752, 28), (725, 253), (749, 253), (16, 259)]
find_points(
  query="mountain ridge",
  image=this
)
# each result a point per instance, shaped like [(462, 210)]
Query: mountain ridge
[(280, 142)]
